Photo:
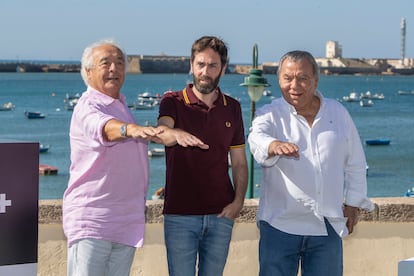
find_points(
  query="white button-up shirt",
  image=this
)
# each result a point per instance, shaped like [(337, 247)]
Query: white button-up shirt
[(298, 193)]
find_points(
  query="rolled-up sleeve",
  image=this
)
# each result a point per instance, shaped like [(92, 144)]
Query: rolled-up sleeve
[(260, 137)]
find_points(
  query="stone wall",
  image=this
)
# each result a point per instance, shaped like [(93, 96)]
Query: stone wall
[(380, 241), (389, 209)]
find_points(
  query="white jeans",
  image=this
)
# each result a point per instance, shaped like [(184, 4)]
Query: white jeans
[(92, 257)]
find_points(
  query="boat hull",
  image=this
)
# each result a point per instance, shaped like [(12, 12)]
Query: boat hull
[(377, 142), (34, 115)]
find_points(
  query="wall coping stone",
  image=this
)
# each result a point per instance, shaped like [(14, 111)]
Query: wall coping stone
[(387, 209)]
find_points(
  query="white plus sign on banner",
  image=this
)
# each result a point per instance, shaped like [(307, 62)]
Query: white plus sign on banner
[(19, 198), (4, 203)]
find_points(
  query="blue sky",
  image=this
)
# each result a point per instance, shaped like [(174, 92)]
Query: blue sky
[(60, 30)]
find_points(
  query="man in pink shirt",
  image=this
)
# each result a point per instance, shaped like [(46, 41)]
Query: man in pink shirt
[(104, 203)]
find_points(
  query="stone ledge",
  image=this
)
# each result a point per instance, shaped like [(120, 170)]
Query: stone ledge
[(50, 211), (387, 209)]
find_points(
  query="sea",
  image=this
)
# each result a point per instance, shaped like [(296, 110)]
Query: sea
[(391, 167)]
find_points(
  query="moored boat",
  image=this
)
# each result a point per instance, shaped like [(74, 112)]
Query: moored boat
[(156, 152), (267, 93), (34, 115), (366, 103), (147, 98), (43, 148), (410, 192), (7, 107), (375, 96), (377, 142), (142, 106), (401, 92), (352, 97), (71, 100)]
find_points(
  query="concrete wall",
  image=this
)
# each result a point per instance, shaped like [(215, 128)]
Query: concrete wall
[(381, 240)]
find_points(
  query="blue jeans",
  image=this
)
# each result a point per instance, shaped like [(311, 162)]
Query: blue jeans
[(280, 253), (99, 257), (187, 237)]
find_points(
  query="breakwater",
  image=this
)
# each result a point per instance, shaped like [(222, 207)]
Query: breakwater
[(21, 67), (149, 64)]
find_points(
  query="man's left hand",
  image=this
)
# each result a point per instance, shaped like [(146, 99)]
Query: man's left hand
[(231, 211)]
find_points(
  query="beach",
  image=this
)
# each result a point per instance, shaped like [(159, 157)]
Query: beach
[(381, 239)]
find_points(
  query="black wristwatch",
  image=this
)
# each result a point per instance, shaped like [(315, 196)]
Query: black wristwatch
[(123, 130)]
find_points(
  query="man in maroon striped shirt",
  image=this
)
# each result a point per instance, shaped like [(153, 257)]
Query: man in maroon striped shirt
[(201, 200)]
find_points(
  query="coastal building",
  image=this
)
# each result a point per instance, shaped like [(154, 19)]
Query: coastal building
[(403, 26), (333, 49)]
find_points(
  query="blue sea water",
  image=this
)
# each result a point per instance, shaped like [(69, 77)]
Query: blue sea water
[(391, 168)]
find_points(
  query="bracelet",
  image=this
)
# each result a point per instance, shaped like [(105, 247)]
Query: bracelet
[(123, 130)]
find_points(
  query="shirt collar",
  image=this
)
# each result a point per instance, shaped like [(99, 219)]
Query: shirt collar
[(105, 99)]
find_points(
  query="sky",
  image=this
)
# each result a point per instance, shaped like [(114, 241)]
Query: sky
[(60, 30)]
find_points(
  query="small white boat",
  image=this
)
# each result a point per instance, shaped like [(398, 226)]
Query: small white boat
[(366, 103), (410, 192), (375, 96), (352, 97), (267, 93), (43, 148), (156, 152), (378, 96), (142, 106), (149, 99), (7, 107), (70, 101), (401, 92)]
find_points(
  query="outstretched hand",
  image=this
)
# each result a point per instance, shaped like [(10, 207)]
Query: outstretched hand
[(283, 148), (186, 139), (172, 136)]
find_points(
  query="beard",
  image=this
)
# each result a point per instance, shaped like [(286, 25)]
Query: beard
[(208, 87)]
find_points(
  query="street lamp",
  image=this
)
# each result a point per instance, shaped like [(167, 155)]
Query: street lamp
[(255, 87)]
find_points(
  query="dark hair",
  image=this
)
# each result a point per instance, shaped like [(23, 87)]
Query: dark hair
[(211, 42), (299, 55)]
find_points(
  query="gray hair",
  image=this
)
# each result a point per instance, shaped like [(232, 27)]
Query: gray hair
[(86, 62), (297, 56)]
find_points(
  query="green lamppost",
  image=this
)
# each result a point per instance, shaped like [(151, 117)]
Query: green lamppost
[(255, 87)]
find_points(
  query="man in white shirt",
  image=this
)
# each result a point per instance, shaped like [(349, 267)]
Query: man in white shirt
[(314, 177)]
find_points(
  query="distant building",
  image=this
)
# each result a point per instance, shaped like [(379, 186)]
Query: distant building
[(333, 49), (403, 31)]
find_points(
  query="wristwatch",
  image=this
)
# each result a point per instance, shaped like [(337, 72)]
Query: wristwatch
[(123, 130)]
